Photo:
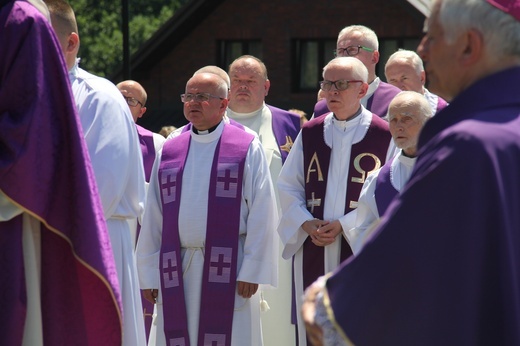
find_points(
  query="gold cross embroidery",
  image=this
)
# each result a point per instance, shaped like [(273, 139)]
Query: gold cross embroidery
[(313, 202), (288, 144)]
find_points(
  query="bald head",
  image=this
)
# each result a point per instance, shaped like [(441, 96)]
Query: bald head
[(135, 96)]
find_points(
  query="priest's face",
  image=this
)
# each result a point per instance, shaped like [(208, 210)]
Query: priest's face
[(402, 74), (442, 59), (249, 85), (207, 100), (343, 103), (405, 121)]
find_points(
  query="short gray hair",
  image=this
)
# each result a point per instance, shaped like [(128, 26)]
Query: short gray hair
[(410, 57), (413, 98), (358, 68), (501, 31), (368, 34)]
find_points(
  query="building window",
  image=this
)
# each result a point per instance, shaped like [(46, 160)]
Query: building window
[(230, 50), (309, 58)]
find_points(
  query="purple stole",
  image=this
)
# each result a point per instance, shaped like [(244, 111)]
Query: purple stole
[(385, 191), (381, 98), (49, 175), (366, 156), (441, 104), (286, 127), (147, 148), (221, 248)]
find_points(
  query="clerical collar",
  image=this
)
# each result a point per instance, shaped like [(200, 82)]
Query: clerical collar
[(204, 132), (358, 113)]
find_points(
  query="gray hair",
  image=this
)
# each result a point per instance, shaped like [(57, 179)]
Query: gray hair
[(359, 70), (413, 98), (368, 34), (215, 70), (410, 57), (500, 31)]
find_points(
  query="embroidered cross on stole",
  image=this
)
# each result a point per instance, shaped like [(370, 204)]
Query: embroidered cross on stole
[(220, 258)]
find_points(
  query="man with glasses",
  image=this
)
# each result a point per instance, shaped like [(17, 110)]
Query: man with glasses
[(319, 184), (117, 162), (361, 42), (208, 236), (443, 266)]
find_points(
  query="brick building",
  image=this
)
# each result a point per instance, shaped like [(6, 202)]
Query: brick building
[(295, 39)]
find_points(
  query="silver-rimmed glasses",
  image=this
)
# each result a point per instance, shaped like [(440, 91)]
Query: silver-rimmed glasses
[(199, 97)]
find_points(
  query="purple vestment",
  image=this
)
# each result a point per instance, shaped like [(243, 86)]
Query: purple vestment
[(45, 171), (443, 268), (221, 246), (286, 126), (377, 103), (385, 191), (147, 148)]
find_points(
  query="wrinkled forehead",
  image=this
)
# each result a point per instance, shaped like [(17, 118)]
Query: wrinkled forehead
[(398, 110), (351, 39), (335, 72)]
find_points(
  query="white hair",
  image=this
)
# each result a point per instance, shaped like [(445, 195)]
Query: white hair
[(410, 57), (368, 35), (413, 99), (500, 31), (359, 70)]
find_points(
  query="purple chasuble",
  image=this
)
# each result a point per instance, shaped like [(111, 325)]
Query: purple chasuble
[(385, 191), (377, 103), (147, 148), (286, 126), (45, 170), (381, 98), (221, 247), (447, 274)]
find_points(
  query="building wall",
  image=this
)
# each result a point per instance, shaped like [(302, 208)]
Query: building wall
[(275, 23)]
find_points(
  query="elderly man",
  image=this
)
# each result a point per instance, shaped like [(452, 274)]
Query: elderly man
[(443, 267), (405, 70), (320, 182), (211, 194), (361, 42), (407, 114), (277, 130)]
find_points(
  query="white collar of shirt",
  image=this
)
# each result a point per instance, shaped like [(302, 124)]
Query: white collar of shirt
[(235, 115), (73, 72), (359, 124), (208, 137), (372, 87), (432, 99)]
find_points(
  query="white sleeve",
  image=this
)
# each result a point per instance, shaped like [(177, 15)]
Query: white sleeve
[(291, 190), (149, 243), (366, 214), (260, 263)]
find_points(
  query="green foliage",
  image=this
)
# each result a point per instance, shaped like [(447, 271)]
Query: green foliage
[(100, 23)]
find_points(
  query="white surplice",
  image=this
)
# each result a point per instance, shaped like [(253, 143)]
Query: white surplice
[(257, 247), (117, 162), (276, 322), (367, 213), (340, 136)]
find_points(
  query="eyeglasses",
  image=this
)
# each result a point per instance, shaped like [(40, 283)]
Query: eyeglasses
[(132, 102), (340, 85), (200, 97), (350, 50)]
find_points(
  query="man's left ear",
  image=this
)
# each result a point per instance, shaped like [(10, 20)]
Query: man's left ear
[(143, 110)]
